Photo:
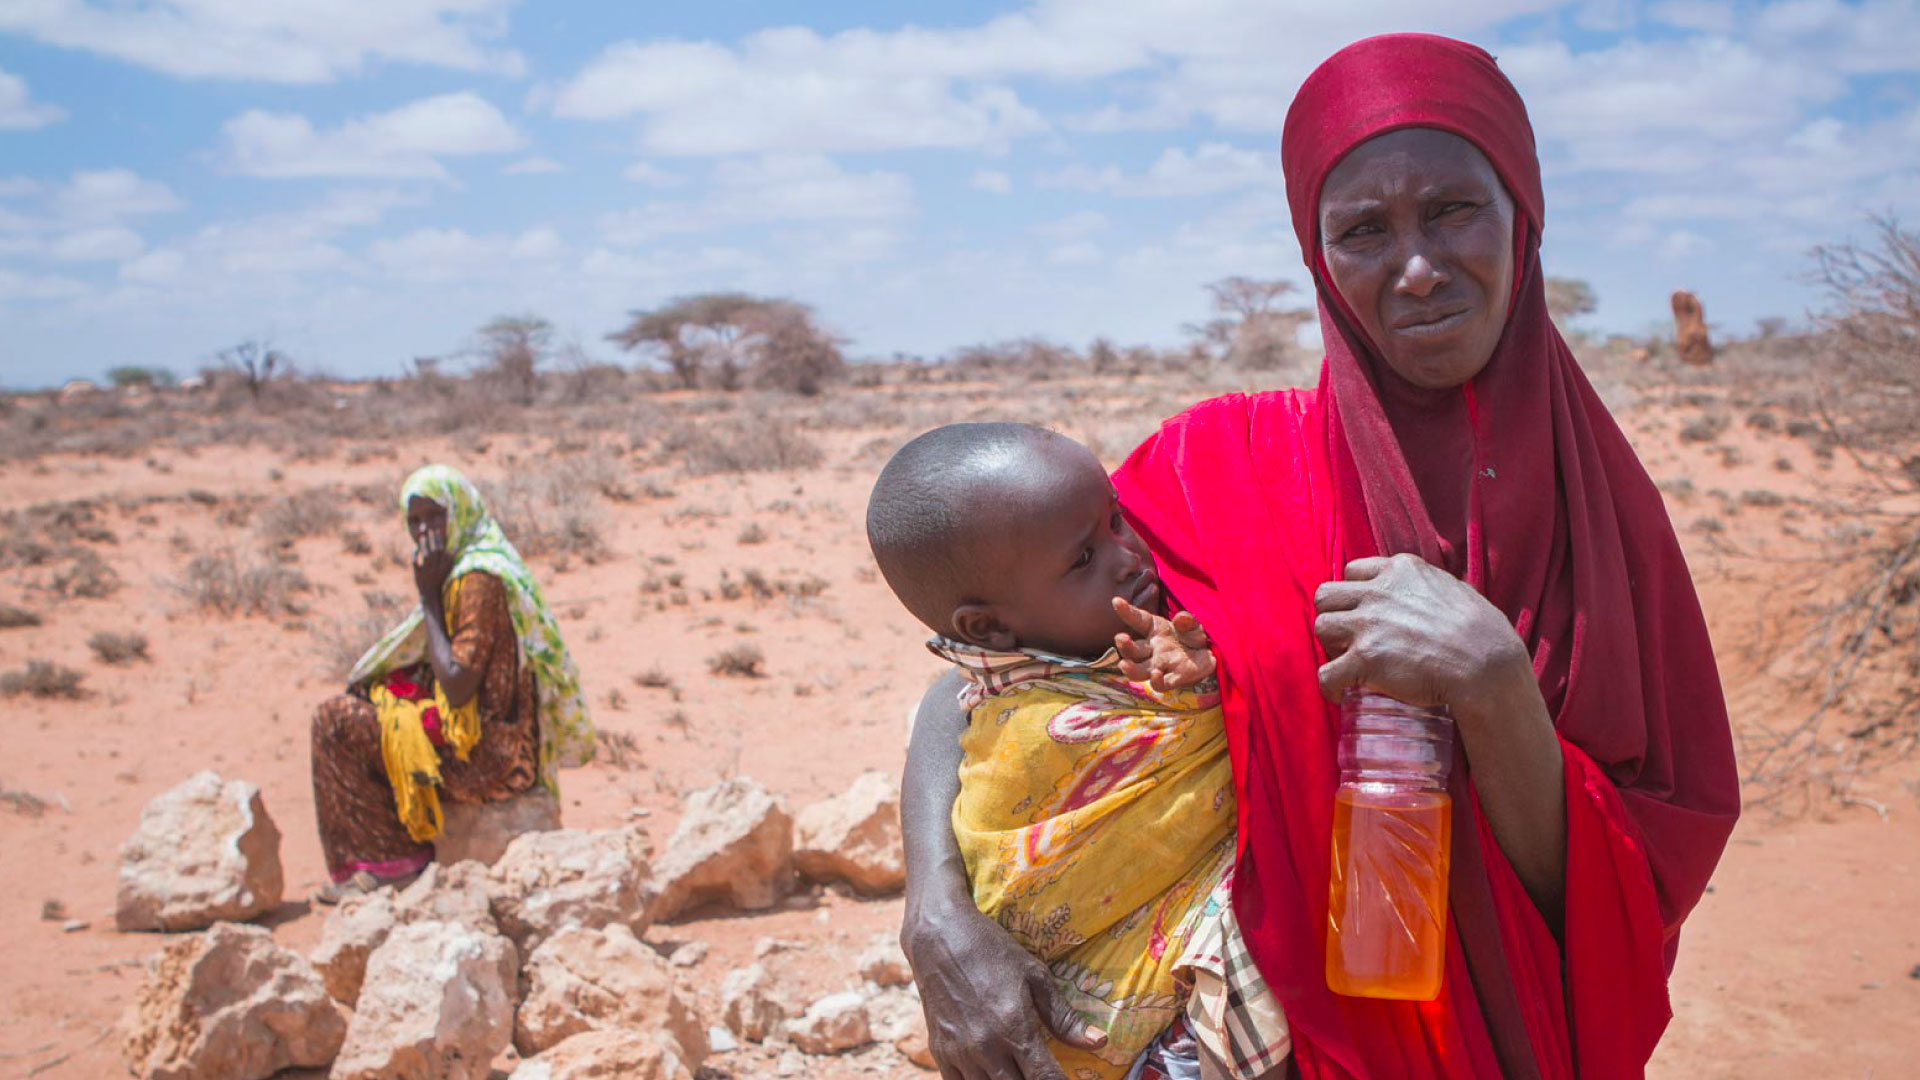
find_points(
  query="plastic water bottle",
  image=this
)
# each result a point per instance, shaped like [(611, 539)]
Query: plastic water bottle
[(1392, 840)]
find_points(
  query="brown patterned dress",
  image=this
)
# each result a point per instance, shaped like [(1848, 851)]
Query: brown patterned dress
[(359, 828)]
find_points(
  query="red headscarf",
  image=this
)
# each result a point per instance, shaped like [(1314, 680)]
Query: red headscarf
[(1251, 502)]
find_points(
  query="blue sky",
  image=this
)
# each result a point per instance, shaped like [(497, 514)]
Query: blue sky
[(367, 182)]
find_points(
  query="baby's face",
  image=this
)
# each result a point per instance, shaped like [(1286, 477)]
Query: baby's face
[(1062, 553)]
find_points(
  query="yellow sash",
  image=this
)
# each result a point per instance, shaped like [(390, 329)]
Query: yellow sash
[(413, 764)]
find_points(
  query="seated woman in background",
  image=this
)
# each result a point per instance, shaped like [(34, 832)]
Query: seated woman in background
[(472, 697)]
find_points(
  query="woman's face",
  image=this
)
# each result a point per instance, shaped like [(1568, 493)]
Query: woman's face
[(426, 518), (1417, 233)]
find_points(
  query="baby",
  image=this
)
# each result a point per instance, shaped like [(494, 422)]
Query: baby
[(1096, 813)]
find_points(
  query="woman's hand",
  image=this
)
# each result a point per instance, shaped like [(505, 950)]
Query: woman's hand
[(1408, 629), (431, 565), (1405, 628), (986, 999), (1165, 653)]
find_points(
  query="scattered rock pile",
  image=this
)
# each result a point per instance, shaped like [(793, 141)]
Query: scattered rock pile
[(204, 852), (854, 837), (541, 952), (733, 847), (230, 1005)]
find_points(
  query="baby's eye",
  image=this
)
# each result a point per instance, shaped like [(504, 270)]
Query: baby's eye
[(1085, 559)]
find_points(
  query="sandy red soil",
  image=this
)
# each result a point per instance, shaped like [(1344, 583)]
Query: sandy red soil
[(1803, 961)]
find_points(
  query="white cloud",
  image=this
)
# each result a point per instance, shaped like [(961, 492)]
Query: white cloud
[(541, 243), (992, 180), (766, 190), (643, 172), (18, 110), (14, 187), (1211, 168), (153, 268), (241, 256), (405, 142), (454, 254), (111, 243), (1712, 16), (1074, 226), (790, 90), (313, 41), (1869, 37), (533, 165), (1075, 254), (100, 195), (15, 285), (1682, 244)]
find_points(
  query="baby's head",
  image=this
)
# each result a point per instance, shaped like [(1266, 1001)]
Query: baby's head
[(1008, 536)]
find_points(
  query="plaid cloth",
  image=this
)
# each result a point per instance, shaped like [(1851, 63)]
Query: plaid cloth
[(1230, 1009), (988, 673)]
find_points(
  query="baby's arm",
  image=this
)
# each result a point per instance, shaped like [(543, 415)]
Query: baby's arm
[(1168, 654)]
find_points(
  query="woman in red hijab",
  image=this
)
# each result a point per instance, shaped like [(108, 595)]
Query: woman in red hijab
[(1450, 517)]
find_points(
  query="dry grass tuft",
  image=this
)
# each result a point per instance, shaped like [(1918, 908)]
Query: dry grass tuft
[(344, 640), (22, 802), (742, 446), (741, 661), (752, 533), (42, 679), (87, 576), (219, 581), (313, 512), (114, 647), (546, 513), (617, 749), (12, 617)]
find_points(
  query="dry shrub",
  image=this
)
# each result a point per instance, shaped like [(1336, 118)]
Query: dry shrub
[(313, 512), (114, 647), (1861, 658), (740, 661), (757, 585), (343, 640), (752, 533), (742, 446), (12, 617), (42, 679), (88, 576), (222, 582), (548, 513), (1704, 429), (617, 749), (24, 803)]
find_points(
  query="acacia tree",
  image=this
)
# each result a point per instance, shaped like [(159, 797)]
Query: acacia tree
[(1250, 328), (718, 338), (511, 348), (1569, 298)]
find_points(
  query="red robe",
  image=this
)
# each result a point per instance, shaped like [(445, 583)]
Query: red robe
[(1250, 503)]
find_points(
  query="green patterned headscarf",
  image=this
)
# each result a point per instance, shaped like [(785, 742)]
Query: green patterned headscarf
[(475, 541)]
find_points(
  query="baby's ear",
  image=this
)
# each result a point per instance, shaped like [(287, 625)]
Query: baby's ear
[(980, 625)]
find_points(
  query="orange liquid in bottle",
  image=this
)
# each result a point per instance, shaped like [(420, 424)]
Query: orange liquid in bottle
[(1387, 908)]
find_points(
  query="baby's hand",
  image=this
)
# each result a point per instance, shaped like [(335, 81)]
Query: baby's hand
[(1167, 653)]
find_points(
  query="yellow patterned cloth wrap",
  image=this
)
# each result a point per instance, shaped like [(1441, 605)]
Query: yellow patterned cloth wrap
[(1095, 816), (413, 765)]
